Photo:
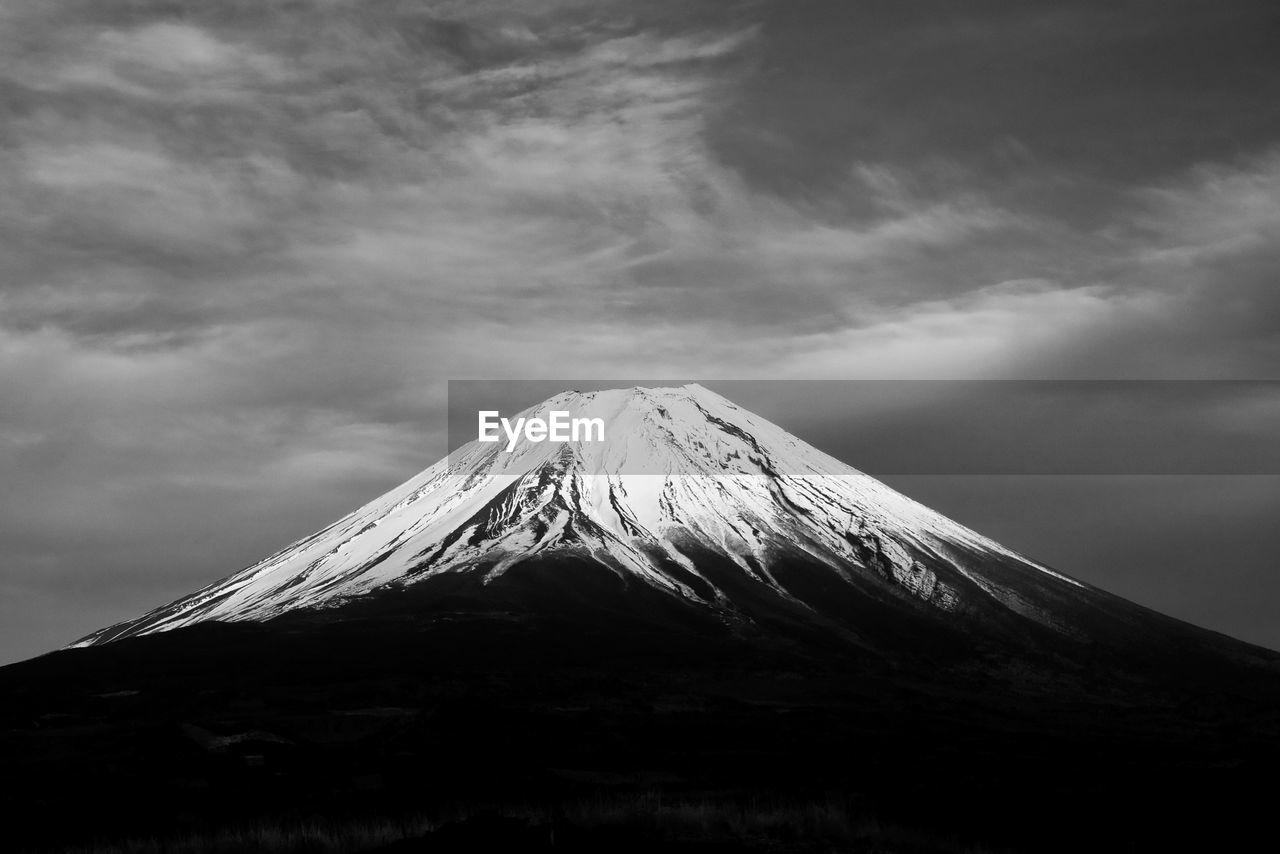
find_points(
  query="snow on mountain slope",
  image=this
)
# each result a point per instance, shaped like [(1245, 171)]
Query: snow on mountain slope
[(685, 475)]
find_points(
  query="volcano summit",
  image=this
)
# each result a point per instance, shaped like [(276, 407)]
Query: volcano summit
[(696, 501)]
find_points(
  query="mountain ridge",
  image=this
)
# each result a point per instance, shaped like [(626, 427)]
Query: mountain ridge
[(693, 498)]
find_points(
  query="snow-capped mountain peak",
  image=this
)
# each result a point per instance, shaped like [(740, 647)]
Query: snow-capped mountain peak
[(689, 496)]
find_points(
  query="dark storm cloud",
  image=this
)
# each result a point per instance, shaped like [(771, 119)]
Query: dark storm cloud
[(242, 245)]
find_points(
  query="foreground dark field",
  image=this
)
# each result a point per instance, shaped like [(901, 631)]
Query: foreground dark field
[(423, 736)]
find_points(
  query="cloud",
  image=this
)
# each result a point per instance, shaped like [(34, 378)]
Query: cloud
[(1007, 330), (1216, 212), (1205, 244), (172, 47), (436, 173)]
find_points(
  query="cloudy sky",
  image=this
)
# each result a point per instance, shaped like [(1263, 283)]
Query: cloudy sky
[(243, 245)]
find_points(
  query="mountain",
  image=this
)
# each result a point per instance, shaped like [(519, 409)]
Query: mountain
[(701, 634), (693, 506)]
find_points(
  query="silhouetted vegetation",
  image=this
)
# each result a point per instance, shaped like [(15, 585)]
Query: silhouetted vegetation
[(637, 822)]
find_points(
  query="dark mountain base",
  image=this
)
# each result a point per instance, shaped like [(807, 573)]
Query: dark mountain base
[(468, 715)]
